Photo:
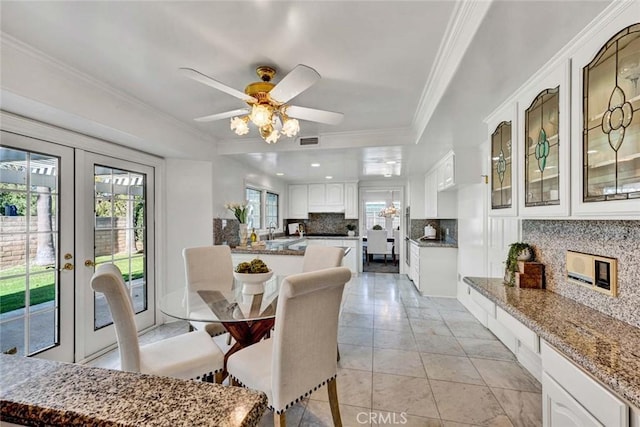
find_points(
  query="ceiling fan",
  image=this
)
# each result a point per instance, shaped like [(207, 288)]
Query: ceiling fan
[(267, 103)]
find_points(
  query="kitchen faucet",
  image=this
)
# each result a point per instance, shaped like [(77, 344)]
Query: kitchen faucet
[(272, 228)]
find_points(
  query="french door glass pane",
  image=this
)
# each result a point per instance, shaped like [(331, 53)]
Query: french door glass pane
[(253, 198), (29, 284), (119, 234)]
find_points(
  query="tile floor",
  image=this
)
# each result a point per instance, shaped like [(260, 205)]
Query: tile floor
[(413, 361)]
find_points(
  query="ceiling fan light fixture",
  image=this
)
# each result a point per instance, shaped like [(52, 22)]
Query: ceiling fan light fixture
[(273, 137), (239, 125), (290, 127), (261, 114)]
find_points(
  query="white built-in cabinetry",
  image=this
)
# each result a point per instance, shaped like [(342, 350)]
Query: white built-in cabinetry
[(566, 71), (323, 197), (571, 397), (298, 201), (433, 270), (351, 200)]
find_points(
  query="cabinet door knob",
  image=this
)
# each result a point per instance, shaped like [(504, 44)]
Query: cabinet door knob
[(68, 266), (89, 263)]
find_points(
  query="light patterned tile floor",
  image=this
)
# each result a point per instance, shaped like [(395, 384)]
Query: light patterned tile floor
[(410, 360)]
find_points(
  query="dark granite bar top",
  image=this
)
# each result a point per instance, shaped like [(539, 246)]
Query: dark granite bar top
[(603, 346), (435, 243), (42, 392)]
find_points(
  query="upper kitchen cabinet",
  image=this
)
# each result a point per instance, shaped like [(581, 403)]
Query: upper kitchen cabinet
[(543, 165), (504, 152), (298, 201), (606, 118), (438, 204), (326, 197), (455, 169), (351, 200)]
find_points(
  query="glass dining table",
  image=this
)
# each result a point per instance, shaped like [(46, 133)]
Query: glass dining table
[(247, 317)]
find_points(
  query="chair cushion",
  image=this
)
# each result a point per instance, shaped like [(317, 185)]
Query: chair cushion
[(252, 366), (184, 356)]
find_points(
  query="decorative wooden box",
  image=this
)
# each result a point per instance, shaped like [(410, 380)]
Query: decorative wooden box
[(530, 275)]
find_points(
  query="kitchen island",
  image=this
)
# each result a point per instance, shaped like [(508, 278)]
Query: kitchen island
[(42, 392), (284, 255)]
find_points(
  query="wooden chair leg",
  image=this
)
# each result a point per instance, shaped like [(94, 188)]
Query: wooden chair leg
[(233, 382), (219, 377), (279, 420), (333, 403)]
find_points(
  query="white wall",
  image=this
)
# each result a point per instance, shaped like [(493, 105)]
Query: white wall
[(189, 213)]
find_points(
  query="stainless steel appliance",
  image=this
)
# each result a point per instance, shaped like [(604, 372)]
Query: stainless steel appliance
[(407, 235)]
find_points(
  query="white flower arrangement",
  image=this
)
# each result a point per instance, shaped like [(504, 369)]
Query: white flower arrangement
[(240, 210)]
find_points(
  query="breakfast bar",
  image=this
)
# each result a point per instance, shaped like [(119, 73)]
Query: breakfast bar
[(42, 392)]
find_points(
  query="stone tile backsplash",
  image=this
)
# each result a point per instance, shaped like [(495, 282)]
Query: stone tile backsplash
[(611, 238), (442, 226), (324, 223)]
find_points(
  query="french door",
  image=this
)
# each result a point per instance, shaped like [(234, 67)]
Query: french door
[(63, 211), (114, 207), (37, 254)]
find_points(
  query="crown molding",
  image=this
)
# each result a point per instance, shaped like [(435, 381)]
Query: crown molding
[(611, 12), (463, 24), (8, 41)]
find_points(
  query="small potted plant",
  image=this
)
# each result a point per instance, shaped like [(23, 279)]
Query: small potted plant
[(351, 230), (518, 251)]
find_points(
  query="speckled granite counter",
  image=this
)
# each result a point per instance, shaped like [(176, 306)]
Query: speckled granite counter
[(41, 392), (435, 243), (605, 347)]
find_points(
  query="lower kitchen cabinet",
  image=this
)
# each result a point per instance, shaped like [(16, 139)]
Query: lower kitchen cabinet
[(572, 398), (434, 270)]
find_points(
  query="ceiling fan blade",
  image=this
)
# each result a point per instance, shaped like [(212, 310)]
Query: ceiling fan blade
[(204, 79), (313, 115), (297, 81), (225, 115)]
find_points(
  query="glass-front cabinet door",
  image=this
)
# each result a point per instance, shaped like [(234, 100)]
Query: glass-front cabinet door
[(503, 194), (607, 120), (543, 166)]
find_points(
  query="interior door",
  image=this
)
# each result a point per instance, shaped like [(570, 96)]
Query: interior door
[(37, 262), (115, 208)]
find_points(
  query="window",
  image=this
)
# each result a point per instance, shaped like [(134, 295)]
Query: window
[(254, 200), (271, 209), (611, 128), (263, 208)]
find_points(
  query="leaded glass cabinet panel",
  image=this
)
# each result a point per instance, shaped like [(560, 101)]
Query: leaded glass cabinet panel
[(611, 120), (542, 150), (501, 167)]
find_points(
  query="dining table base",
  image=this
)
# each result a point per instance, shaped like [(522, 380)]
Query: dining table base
[(246, 334)]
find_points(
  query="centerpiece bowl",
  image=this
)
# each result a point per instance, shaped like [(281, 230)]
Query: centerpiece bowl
[(253, 283)]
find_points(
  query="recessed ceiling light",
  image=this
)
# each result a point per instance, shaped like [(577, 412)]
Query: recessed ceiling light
[(391, 162), (315, 165), (279, 173), (329, 177), (387, 175)]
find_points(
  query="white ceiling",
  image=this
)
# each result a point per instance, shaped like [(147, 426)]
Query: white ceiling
[(375, 59)]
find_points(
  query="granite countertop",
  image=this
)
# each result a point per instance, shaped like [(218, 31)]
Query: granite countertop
[(607, 348), (435, 243), (42, 392)]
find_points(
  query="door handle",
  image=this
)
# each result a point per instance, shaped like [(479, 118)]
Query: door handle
[(89, 263), (67, 266)]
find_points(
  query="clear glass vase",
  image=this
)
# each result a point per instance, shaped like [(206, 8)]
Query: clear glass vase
[(243, 233)]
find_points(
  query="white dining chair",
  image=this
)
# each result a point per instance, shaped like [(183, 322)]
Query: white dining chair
[(377, 244), (208, 268), (301, 356), (192, 355), (318, 257), (396, 246)]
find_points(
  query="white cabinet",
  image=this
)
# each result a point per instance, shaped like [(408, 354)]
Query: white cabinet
[(434, 270), (351, 200), (572, 397), (326, 197), (446, 172), (298, 201), (438, 204), (560, 409), (331, 197)]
